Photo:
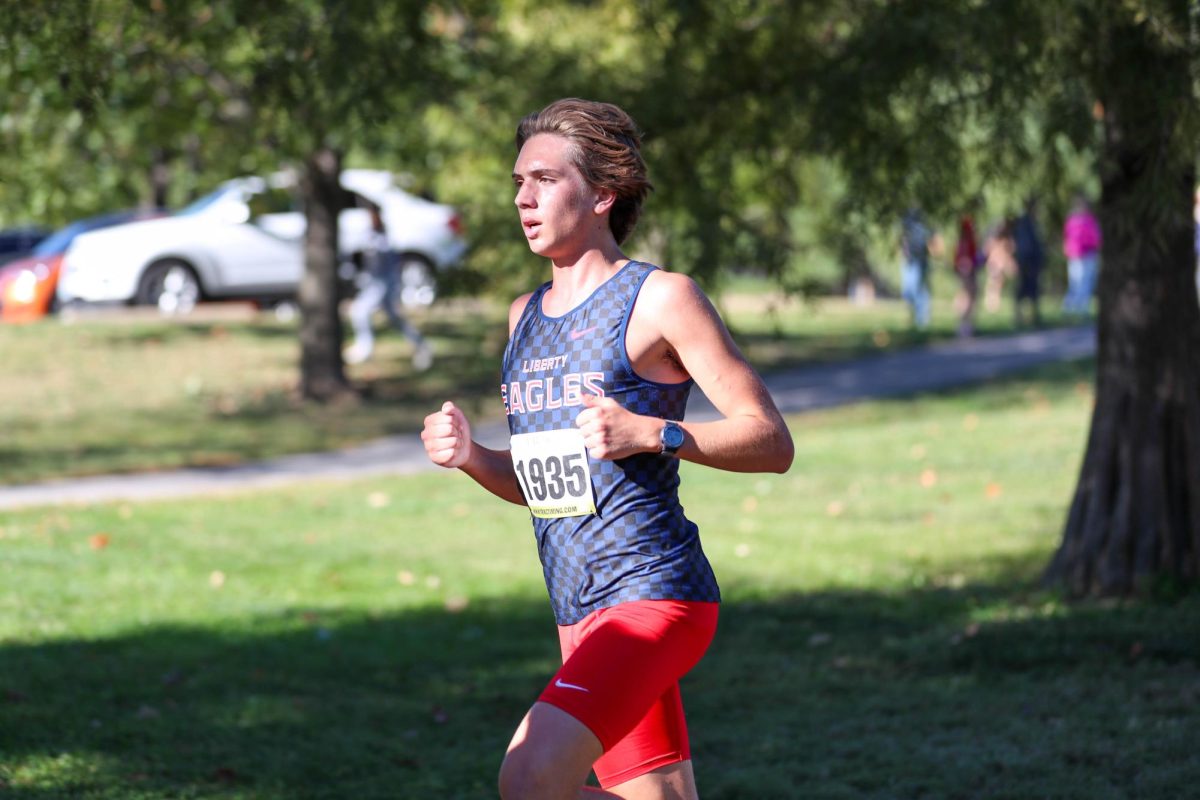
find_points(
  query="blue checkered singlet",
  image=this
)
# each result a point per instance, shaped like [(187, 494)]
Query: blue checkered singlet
[(638, 545)]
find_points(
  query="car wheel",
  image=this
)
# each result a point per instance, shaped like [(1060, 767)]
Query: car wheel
[(170, 285), (418, 283)]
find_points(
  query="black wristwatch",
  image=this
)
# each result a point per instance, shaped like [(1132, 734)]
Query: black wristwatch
[(670, 437)]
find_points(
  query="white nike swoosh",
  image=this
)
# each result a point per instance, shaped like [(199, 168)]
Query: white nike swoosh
[(563, 685)]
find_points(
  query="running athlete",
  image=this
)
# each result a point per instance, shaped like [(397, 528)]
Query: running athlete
[(596, 376)]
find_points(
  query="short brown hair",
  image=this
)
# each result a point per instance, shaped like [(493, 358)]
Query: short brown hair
[(606, 149)]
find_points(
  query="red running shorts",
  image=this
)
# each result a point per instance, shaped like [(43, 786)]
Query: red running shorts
[(620, 678)]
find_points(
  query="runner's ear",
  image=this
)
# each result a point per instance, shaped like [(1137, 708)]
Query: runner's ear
[(605, 198)]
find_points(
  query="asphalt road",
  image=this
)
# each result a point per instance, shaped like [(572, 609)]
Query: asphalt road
[(932, 368)]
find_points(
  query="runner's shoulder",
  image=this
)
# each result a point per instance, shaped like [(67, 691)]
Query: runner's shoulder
[(516, 310), (672, 296), (665, 291)]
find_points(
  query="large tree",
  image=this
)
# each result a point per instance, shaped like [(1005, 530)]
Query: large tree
[(1135, 516), (905, 84)]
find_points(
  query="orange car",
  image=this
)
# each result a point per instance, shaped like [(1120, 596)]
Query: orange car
[(28, 285)]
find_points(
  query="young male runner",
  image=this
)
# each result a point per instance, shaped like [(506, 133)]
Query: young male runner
[(596, 376)]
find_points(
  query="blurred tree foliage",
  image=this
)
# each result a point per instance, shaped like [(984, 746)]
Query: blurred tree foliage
[(784, 137)]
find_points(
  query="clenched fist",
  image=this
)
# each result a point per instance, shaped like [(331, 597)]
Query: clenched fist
[(447, 437), (610, 431)]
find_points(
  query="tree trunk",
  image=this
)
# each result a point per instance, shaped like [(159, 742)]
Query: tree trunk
[(322, 376), (1135, 517)]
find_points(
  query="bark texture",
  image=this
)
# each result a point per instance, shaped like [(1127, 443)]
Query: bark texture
[(1135, 517), (322, 373)]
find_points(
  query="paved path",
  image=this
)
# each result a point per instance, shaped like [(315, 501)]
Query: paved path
[(931, 368)]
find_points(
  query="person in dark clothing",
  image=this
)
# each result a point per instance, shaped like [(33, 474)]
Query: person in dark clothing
[(1031, 257)]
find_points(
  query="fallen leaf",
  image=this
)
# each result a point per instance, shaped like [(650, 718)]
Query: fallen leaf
[(99, 541), (456, 605), (216, 579), (993, 490), (742, 550), (835, 508), (929, 478), (750, 504), (378, 500), (405, 578), (970, 422)]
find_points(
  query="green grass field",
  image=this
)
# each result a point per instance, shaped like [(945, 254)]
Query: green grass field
[(882, 636), (130, 392)]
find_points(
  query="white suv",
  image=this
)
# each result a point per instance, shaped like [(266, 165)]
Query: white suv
[(244, 240)]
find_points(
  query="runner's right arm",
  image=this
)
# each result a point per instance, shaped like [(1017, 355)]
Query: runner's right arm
[(447, 439)]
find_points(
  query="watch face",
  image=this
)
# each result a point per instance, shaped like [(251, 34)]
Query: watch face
[(672, 436)]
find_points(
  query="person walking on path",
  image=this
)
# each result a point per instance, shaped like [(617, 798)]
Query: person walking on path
[(1030, 256), (1081, 246), (966, 266), (381, 290), (595, 380), (914, 266), (999, 263)]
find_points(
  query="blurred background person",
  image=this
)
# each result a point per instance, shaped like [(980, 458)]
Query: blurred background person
[(999, 263), (914, 266), (966, 265), (1031, 257), (380, 289), (1081, 246)]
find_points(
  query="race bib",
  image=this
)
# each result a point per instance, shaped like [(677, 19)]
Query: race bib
[(552, 467)]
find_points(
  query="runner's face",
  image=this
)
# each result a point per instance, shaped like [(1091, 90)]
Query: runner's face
[(557, 206)]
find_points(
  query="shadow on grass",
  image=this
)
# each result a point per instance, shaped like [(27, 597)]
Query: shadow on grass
[(979, 692)]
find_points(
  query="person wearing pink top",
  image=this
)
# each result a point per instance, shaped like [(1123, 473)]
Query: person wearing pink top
[(1081, 246)]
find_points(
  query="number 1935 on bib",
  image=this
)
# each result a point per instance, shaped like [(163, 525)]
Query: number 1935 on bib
[(552, 468)]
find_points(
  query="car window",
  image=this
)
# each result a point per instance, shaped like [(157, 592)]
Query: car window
[(202, 203), (271, 201)]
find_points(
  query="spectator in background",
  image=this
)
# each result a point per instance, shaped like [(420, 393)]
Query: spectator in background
[(380, 289), (1030, 257), (1081, 246), (966, 264), (914, 267), (1000, 263)]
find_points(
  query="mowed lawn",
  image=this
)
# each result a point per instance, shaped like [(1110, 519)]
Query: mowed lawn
[(124, 392), (882, 636)]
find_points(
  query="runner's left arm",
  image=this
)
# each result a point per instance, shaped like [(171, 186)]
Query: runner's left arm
[(751, 436)]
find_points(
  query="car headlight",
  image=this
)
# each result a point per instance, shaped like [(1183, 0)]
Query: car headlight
[(23, 287)]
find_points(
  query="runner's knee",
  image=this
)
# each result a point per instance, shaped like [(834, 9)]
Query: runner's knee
[(527, 775)]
